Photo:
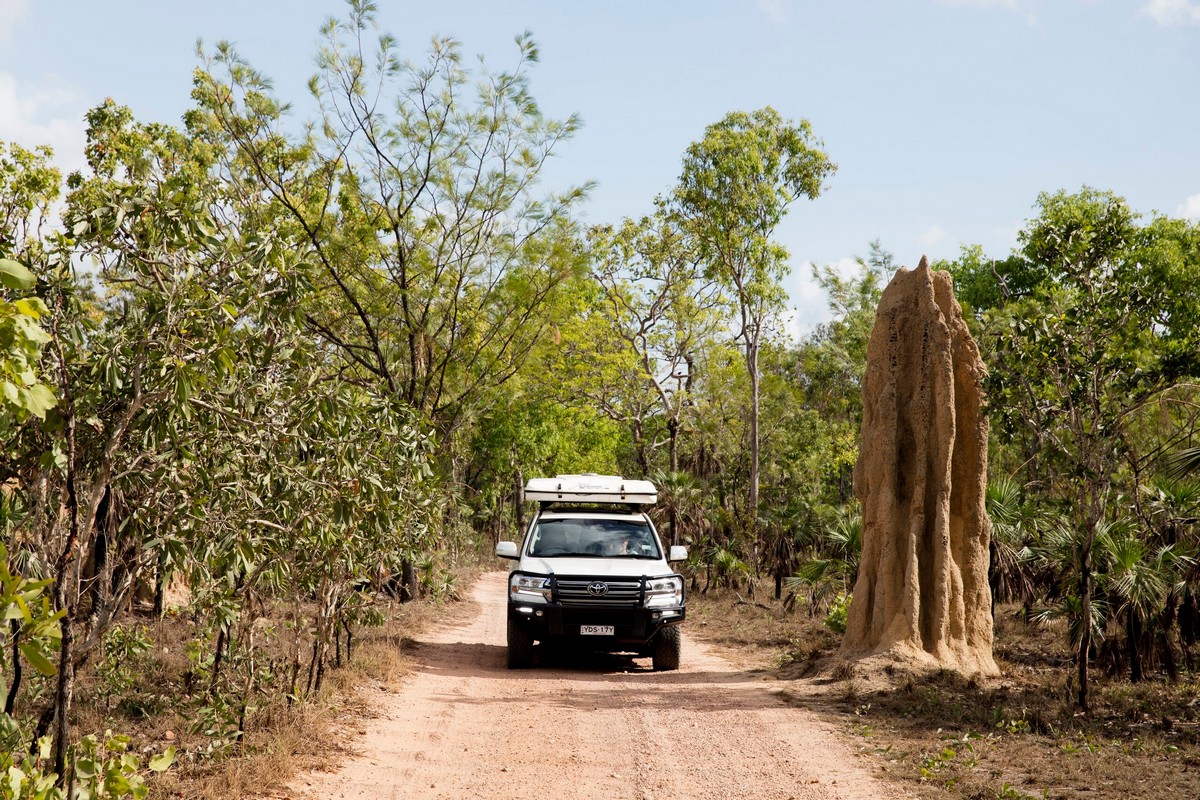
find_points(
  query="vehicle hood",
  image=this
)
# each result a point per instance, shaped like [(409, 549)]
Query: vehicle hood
[(597, 567)]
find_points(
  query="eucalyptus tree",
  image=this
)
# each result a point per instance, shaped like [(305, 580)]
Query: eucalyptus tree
[(199, 427), (661, 306), (590, 363), (735, 187)]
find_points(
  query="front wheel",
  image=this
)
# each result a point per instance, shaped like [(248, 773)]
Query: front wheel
[(666, 649), (520, 646)]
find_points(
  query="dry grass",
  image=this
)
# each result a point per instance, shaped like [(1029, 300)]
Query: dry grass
[(281, 738), (1017, 737)]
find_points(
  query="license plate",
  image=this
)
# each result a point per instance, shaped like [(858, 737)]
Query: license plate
[(597, 630)]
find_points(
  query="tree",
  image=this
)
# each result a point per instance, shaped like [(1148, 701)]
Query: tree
[(1077, 360), (659, 306), (735, 187), (28, 185), (435, 265), (198, 426)]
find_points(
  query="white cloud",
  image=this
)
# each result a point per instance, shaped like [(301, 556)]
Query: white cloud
[(1190, 208), (808, 304), (778, 11), (932, 236), (1170, 13), (11, 13), (49, 112)]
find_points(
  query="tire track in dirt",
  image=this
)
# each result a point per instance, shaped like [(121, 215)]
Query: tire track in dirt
[(464, 726)]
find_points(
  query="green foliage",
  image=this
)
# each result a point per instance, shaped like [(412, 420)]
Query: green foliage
[(434, 264), (103, 769), (736, 185), (22, 392), (31, 628), (835, 618), (305, 359), (124, 648), (1087, 329)]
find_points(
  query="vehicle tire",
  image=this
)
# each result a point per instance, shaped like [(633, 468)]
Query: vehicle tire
[(666, 649), (520, 646)]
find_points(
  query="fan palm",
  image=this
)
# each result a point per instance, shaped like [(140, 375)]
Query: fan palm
[(1182, 462), (1139, 580), (1013, 526), (823, 577)]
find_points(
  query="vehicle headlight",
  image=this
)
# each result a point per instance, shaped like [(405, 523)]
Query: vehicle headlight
[(529, 588), (662, 592)]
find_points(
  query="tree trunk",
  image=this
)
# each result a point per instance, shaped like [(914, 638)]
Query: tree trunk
[(337, 644), (752, 368), (519, 504), (1133, 635), (64, 688), (11, 700), (217, 655), (639, 448), (673, 509), (673, 429), (160, 587), (408, 581), (64, 698), (1085, 635)]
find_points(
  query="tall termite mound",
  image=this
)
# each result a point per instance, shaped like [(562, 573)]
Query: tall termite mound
[(922, 594)]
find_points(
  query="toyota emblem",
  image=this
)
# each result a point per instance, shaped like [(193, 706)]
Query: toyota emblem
[(598, 588)]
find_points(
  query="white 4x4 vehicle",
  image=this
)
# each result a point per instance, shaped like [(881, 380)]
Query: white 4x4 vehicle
[(592, 572)]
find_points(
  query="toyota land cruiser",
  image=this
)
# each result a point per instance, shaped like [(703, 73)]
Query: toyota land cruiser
[(592, 572)]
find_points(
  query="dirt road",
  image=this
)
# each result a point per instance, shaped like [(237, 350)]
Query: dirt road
[(464, 726)]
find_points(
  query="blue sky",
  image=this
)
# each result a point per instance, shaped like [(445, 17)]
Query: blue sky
[(946, 117)]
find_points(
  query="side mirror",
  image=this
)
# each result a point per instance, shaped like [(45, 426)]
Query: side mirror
[(507, 550), (677, 553)]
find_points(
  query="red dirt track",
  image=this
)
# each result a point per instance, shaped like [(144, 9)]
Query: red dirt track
[(594, 726)]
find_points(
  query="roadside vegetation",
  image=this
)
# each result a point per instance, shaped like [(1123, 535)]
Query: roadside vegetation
[(943, 736), (269, 374)]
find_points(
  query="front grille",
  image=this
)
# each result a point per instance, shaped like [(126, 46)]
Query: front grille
[(574, 592)]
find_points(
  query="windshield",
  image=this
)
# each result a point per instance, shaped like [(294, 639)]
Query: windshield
[(608, 538)]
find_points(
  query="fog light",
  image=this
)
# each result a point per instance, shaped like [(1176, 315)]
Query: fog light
[(540, 613)]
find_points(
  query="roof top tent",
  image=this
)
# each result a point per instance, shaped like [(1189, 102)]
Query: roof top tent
[(591, 488)]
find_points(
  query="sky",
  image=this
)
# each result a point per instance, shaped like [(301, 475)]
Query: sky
[(946, 118)]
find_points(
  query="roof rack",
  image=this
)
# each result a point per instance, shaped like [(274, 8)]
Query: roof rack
[(591, 488)]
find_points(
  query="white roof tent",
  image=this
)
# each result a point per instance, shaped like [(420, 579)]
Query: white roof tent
[(591, 488)]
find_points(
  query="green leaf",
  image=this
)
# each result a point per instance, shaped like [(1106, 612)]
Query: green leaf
[(15, 276), (16, 780), (85, 768), (36, 658), (39, 400), (31, 307), (19, 609), (163, 761)]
